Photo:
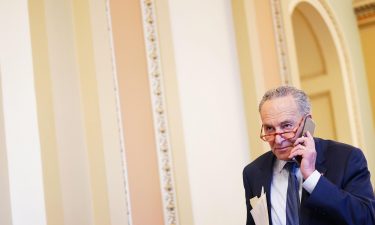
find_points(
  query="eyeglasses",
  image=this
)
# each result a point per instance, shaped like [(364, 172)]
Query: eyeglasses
[(287, 134)]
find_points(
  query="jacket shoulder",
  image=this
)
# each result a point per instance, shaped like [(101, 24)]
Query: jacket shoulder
[(262, 161), (331, 147)]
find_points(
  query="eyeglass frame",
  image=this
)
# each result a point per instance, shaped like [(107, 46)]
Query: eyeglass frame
[(294, 130)]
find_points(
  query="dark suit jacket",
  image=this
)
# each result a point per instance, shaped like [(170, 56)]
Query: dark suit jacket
[(343, 195)]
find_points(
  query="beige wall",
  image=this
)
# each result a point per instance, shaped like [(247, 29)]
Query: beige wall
[(212, 111), (366, 26), (43, 85), (258, 62), (76, 175), (79, 128), (22, 186), (367, 32), (111, 131)]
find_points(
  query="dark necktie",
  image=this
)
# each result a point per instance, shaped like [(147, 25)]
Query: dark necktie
[(292, 200)]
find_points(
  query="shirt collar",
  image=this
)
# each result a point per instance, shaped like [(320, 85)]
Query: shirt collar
[(279, 165)]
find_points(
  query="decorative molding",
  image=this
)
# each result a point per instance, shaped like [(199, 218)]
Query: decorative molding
[(311, 76), (159, 112), (346, 65), (281, 45), (348, 68), (364, 11)]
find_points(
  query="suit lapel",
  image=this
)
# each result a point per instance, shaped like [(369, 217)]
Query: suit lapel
[(265, 177)]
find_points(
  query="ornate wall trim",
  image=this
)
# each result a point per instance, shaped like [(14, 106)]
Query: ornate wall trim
[(281, 45), (159, 112), (364, 11)]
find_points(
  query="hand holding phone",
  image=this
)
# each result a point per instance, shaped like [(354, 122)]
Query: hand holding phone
[(308, 125)]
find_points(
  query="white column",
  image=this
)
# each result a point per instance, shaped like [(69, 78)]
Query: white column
[(69, 115), (20, 119), (212, 109)]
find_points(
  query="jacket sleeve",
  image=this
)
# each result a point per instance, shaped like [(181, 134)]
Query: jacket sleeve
[(352, 201)]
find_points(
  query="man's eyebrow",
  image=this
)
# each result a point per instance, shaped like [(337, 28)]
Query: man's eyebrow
[(282, 123), (266, 125), (286, 122)]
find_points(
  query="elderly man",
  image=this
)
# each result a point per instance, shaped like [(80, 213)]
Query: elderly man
[(329, 185)]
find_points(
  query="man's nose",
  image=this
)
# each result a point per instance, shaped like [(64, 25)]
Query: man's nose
[(279, 138)]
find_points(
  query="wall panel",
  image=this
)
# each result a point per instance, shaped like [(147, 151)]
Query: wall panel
[(136, 112)]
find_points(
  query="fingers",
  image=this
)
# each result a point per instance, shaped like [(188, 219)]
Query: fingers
[(300, 141), (305, 147), (297, 150), (307, 140)]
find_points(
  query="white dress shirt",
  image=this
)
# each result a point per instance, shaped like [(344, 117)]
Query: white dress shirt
[(279, 187)]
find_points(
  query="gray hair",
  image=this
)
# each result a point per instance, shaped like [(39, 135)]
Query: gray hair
[(300, 97)]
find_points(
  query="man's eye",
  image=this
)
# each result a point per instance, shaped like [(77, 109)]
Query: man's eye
[(287, 126), (268, 129)]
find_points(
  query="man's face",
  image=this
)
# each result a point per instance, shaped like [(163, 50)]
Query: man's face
[(279, 115)]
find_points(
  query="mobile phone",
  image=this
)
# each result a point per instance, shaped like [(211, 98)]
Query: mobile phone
[(308, 125)]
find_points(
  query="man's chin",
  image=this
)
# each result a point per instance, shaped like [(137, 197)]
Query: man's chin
[(282, 153)]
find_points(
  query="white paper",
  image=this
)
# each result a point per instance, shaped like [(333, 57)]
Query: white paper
[(260, 211)]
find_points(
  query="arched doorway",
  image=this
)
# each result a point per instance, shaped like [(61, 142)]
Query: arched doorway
[(320, 73)]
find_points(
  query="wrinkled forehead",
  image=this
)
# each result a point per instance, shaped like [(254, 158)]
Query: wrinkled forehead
[(279, 110)]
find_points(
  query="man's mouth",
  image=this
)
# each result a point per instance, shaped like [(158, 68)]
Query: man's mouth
[(281, 149)]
